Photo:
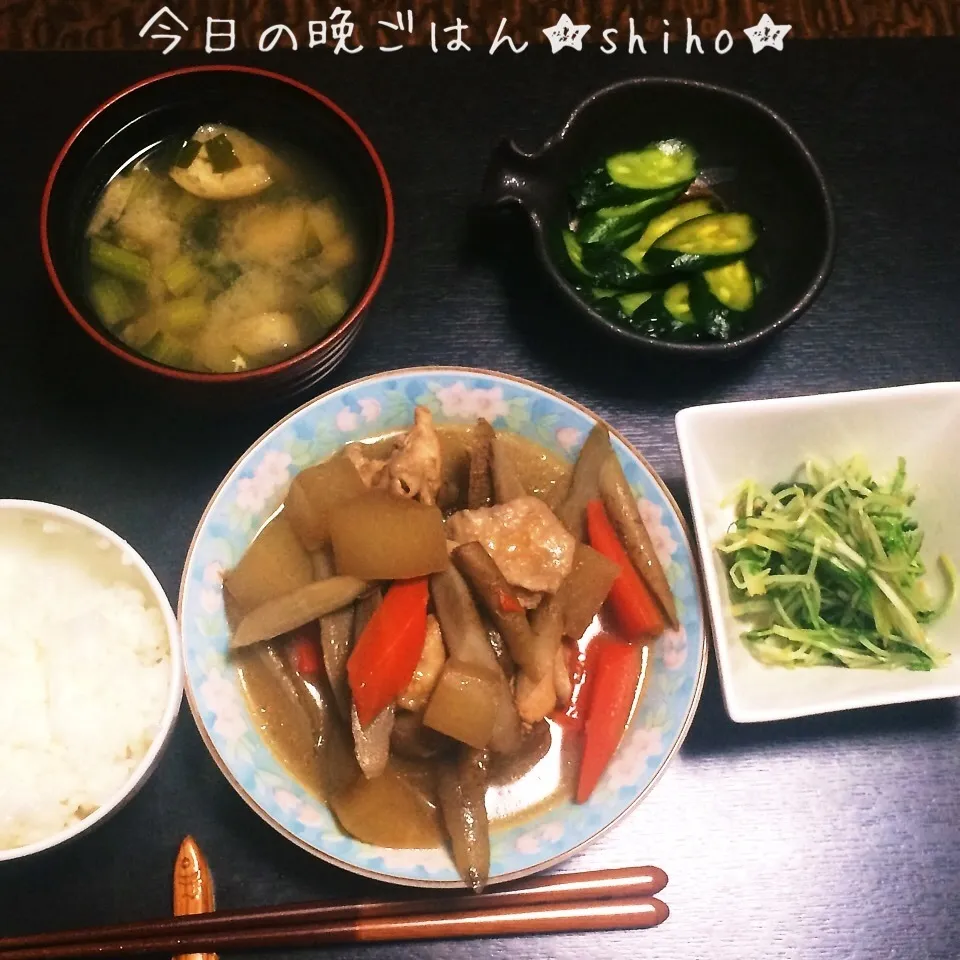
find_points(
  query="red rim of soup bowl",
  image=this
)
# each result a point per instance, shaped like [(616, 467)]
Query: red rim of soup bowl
[(316, 350)]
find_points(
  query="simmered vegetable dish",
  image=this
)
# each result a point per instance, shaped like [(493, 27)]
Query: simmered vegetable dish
[(448, 628), (651, 248), (218, 254)]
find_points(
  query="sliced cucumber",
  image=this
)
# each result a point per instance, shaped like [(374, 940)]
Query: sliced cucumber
[(720, 297), (663, 165), (574, 252), (621, 308), (676, 303), (657, 166), (732, 285), (655, 260), (630, 303), (672, 318), (619, 225), (703, 243), (666, 315), (609, 268), (664, 223)]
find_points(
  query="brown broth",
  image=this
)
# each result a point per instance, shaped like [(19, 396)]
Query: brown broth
[(282, 726), (518, 793), (517, 790)]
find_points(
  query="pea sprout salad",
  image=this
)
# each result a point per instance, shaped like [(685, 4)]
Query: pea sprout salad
[(827, 570)]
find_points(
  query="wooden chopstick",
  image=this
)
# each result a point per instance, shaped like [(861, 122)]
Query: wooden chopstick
[(629, 883), (573, 917), (193, 889)]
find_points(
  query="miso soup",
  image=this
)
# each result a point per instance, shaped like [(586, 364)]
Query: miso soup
[(220, 254)]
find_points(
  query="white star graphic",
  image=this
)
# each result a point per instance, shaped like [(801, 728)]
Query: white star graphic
[(565, 33), (767, 34)]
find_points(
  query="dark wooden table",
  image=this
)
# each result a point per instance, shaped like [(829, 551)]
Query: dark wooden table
[(834, 837)]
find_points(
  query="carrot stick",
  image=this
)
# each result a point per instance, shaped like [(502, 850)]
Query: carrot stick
[(625, 518), (583, 672), (614, 690), (389, 648), (508, 602), (306, 655), (636, 608)]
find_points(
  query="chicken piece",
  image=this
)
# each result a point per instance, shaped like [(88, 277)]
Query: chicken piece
[(370, 469), (562, 682), (413, 468), (535, 700), (415, 695), (531, 547)]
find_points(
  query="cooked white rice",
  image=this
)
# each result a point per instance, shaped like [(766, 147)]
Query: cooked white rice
[(84, 677)]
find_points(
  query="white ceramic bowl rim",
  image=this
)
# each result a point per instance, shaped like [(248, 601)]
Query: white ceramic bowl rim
[(174, 696), (754, 693)]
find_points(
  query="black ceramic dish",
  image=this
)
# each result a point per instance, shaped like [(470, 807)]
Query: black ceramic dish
[(265, 105), (761, 168)]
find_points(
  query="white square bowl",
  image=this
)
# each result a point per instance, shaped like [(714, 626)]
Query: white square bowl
[(724, 444)]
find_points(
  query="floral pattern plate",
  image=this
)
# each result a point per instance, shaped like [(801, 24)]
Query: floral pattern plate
[(254, 489)]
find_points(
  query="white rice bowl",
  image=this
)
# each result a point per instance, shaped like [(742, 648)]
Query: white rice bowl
[(90, 674)]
